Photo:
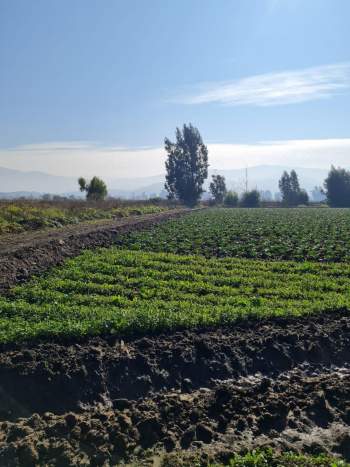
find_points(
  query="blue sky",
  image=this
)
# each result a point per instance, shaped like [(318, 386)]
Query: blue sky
[(112, 76)]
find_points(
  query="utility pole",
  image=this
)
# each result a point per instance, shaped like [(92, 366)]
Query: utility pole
[(246, 179)]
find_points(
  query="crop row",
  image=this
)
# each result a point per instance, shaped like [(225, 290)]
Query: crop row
[(270, 234), (120, 291)]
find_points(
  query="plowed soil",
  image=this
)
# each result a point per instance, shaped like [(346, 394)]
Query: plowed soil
[(107, 401), (23, 255)]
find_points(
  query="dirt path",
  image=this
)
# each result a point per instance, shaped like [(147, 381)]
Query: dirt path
[(104, 401), (22, 255)]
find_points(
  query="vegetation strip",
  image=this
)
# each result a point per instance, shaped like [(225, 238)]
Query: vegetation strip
[(256, 458), (120, 291), (268, 458), (23, 216)]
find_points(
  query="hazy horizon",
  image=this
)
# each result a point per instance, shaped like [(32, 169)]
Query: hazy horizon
[(263, 177), (79, 158)]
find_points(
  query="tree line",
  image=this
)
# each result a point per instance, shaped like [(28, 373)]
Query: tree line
[(187, 169)]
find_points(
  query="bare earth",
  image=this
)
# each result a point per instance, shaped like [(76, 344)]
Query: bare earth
[(109, 401)]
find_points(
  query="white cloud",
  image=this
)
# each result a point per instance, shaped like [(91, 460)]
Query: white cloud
[(77, 158), (287, 87)]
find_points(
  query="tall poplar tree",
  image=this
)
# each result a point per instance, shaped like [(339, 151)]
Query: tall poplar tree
[(186, 165)]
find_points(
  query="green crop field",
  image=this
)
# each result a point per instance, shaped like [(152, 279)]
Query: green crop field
[(318, 234), (120, 291), (200, 282)]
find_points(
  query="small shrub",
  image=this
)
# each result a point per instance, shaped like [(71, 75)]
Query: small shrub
[(250, 199), (231, 199)]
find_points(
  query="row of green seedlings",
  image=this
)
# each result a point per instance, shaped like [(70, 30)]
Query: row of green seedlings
[(119, 291)]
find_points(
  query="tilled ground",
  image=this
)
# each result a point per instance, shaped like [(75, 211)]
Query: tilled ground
[(283, 383)]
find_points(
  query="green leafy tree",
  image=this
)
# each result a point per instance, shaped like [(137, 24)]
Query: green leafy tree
[(218, 188), (250, 199), (96, 190), (186, 165), (295, 186), (303, 197), (337, 187), (285, 188), (231, 199), (292, 194)]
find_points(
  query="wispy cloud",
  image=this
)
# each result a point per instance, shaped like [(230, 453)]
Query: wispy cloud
[(55, 146), (287, 87)]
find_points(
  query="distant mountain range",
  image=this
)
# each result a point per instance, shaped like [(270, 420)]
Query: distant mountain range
[(15, 183)]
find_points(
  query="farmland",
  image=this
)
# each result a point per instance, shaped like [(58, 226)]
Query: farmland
[(269, 234), (186, 342)]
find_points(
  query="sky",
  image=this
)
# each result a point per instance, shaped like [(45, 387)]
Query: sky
[(92, 87)]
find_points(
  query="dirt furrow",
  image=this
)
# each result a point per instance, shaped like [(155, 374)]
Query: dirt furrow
[(105, 400), (68, 376), (302, 410)]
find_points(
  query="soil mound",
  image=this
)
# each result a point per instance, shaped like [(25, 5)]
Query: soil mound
[(283, 383)]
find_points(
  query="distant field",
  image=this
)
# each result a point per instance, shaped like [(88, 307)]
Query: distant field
[(315, 234), (20, 216), (120, 291)]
